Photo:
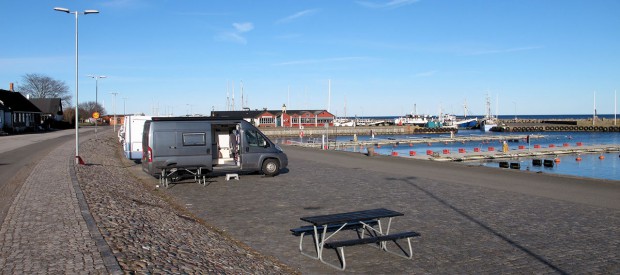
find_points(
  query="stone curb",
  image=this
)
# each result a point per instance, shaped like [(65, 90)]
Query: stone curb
[(109, 260)]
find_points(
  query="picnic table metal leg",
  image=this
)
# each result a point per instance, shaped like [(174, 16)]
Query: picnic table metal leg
[(387, 232), (321, 243)]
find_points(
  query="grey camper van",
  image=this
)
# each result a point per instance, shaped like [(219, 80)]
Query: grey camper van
[(214, 144)]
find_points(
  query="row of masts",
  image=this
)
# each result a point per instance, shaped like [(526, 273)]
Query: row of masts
[(230, 101)]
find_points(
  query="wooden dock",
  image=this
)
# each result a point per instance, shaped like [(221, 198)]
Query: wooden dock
[(417, 140), (521, 153)]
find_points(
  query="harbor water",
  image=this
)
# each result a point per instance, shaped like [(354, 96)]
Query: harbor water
[(590, 165)]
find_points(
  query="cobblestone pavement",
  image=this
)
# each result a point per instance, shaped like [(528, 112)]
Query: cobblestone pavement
[(466, 227), (99, 219), (147, 232), (45, 230)]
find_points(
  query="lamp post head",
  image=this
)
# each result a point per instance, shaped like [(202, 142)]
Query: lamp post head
[(61, 9), (90, 11)]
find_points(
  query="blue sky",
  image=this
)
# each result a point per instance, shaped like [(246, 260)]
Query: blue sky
[(382, 56)]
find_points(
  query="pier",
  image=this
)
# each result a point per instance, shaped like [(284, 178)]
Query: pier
[(416, 140), (525, 153)]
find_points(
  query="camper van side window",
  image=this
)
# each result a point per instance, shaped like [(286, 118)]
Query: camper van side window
[(255, 139), (194, 139)]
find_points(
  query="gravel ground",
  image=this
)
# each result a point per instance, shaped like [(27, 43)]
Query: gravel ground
[(147, 231)]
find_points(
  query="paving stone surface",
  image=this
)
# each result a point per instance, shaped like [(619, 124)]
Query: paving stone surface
[(44, 231), (99, 219), (465, 227), (480, 221)]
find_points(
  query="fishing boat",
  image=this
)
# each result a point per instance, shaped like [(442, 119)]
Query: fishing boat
[(344, 122), (489, 122), (412, 119), (465, 122)]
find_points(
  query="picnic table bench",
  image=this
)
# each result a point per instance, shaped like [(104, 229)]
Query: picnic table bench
[(367, 224), (168, 173)]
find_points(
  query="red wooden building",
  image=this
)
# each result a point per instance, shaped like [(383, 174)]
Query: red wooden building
[(282, 118)]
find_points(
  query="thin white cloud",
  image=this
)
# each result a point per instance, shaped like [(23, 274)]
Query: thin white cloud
[(387, 5), (231, 37), (296, 16), (243, 27), (235, 35), (426, 74), (316, 61), (509, 50)]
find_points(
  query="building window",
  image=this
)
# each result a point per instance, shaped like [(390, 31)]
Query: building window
[(266, 120)]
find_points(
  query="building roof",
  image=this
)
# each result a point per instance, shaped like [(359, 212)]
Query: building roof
[(237, 114), (47, 105), (256, 113), (16, 102)]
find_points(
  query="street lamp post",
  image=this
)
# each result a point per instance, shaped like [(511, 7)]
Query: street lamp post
[(78, 160), (124, 103), (96, 97), (114, 103)]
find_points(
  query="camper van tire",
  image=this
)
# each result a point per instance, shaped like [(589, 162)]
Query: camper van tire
[(271, 167)]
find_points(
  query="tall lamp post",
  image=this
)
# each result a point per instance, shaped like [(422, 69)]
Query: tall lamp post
[(96, 77), (78, 160), (114, 93), (124, 103)]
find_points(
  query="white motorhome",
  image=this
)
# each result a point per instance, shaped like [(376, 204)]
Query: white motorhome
[(130, 136)]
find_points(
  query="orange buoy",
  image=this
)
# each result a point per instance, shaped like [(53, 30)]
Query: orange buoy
[(412, 153), (557, 160), (601, 157), (578, 158), (410, 144), (395, 154)]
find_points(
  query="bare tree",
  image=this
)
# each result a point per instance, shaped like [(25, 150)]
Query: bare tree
[(42, 86), (88, 108)]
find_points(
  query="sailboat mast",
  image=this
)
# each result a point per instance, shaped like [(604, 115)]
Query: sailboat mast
[(329, 94), (594, 114), (242, 104), (345, 106), (227, 95)]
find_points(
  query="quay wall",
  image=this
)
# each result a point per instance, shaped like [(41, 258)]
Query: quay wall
[(358, 130), (518, 126)]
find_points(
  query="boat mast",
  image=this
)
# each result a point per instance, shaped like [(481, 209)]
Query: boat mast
[(345, 106), (329, 94), (227, 95), (594, 114)]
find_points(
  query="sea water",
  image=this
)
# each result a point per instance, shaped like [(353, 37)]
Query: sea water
[(590, 166)]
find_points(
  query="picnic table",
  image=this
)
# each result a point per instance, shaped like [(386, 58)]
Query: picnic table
[(168, 173), (366, 223)]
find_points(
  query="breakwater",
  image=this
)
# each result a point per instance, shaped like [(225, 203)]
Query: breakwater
[(542, 127)]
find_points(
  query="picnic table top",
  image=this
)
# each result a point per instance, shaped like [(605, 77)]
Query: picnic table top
[(355, 216)]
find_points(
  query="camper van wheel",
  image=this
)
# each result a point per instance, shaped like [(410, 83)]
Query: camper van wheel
[(271, 167)]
